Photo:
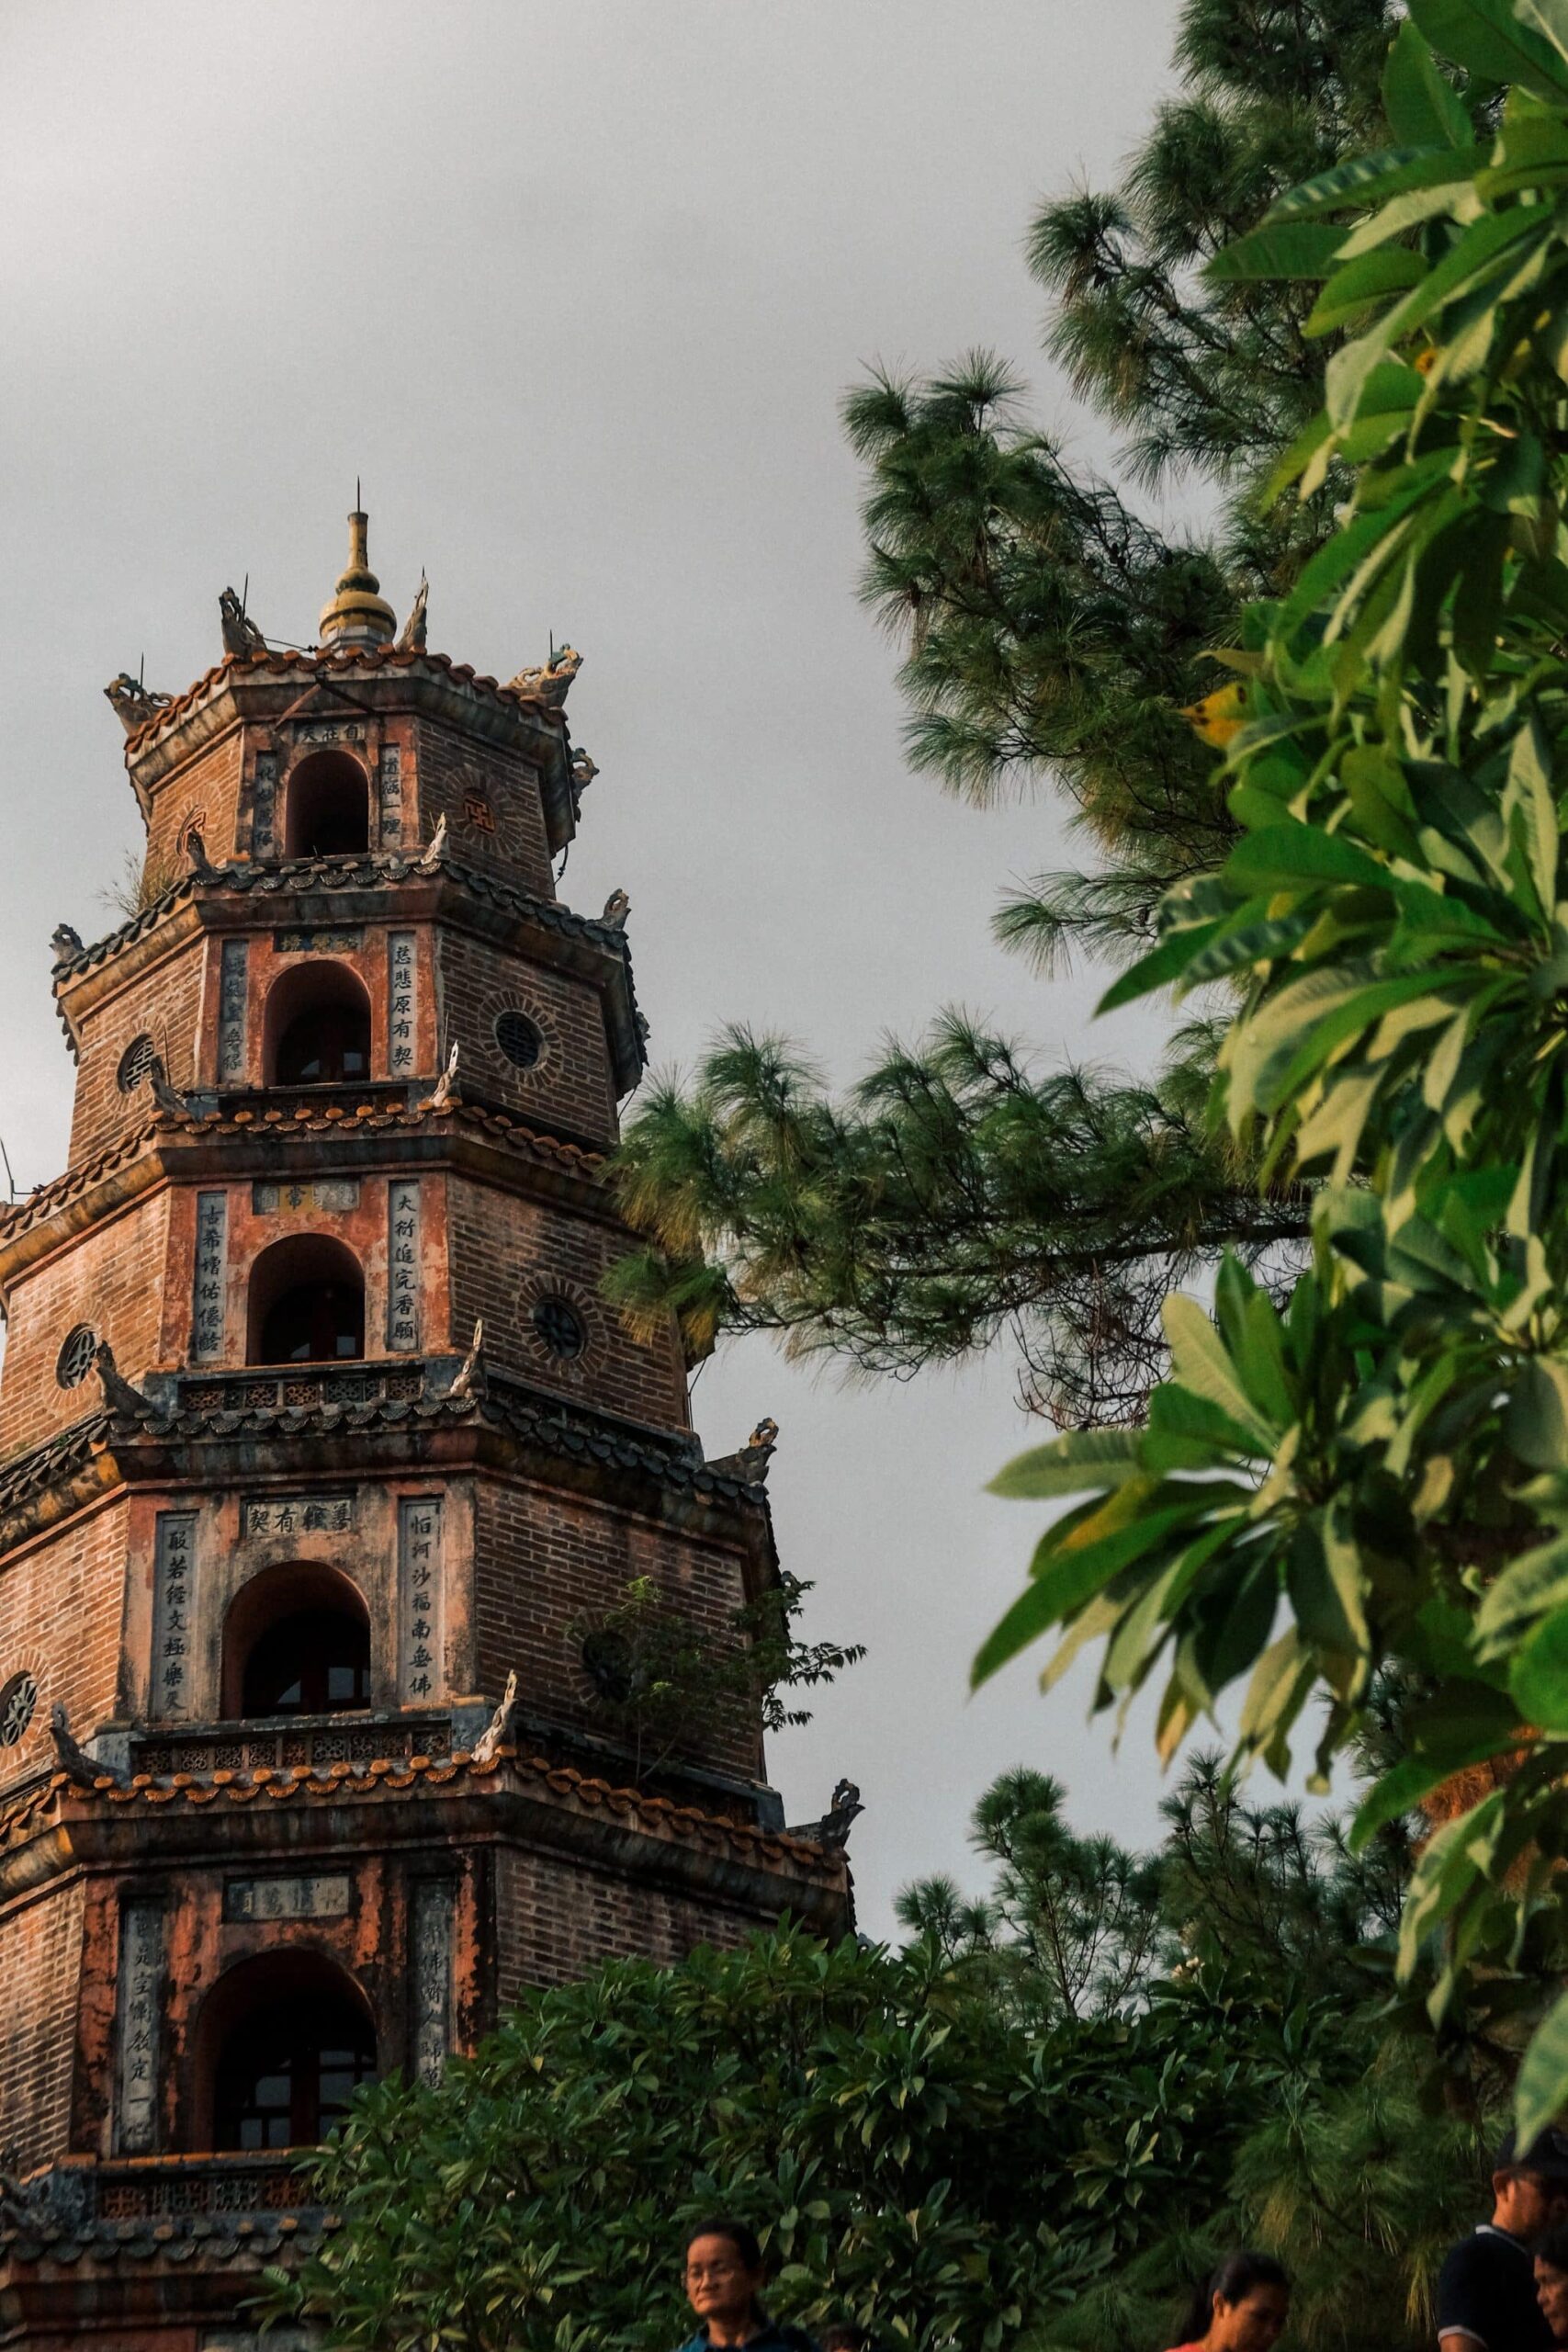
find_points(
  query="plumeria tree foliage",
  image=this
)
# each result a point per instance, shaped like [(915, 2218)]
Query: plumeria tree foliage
[(1377, 1476)]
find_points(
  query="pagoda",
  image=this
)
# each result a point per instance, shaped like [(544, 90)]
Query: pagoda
[(321, 1457)]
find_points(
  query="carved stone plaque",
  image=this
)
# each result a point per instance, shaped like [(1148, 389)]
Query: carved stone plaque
[(296, 1515), (139, 1994), (401, 1008), (392, 796), (403, 1266), (210, 1275), (432, 1912), (334, 1193), (338, 939), (231, 970), (174, 1613), (421, 1607), (264, 805), (323, 1896)]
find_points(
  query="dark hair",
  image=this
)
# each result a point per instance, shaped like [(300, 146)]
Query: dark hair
[(1551, 2247), (843, 2336), (1236, 2277), (744, 2239)]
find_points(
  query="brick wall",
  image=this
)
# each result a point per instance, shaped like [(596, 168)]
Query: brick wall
[(205, 791), (555, 1921), (164, 1004), (507, 1255), (112, 1280), (544, 1562), (39, 1948), (60, 1608), (569, 1085), (449, 772)]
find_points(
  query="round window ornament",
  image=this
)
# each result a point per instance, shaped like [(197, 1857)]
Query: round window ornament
[(18, 1704), (75, 1361), (558, 1328), (609, 1665), (135, 1063), (519, 1038)]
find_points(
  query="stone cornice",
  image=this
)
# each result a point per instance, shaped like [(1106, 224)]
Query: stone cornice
[(338, 890), (265, 687)]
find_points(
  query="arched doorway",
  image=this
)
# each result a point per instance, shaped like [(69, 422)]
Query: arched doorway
[(306, 1303), (316, 1031), (296, 1642), (327, 811), (285, 2041)]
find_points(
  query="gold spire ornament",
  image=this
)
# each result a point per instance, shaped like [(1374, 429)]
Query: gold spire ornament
[(358, 614)]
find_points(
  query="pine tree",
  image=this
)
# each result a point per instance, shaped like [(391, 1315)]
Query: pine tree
[(1053, 636)]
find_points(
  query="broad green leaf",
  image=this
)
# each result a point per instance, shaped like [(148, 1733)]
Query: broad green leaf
[(1423, 107), (1070, 1464), (1362, 281), (1530, 1588), (1541, 2092), (1370, 179), (1486, 38), (1279, 249), (1482, 250), (1201, 1364), (1536, 1423), (1162, 965), (1285, 856), (1539, 1676)]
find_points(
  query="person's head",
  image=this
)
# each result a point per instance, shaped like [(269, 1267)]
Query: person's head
[(1240, 2307), (1551, 2278), (724, 2271), (1530, 2186), (843, 2336)]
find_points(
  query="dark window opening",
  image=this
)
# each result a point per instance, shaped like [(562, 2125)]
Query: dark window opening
[(134, 1063), (328, 1045), (558, 1328), (327, 808), (77, 1354), (518, 1038), (314, 1323), (313, 1662), (287, 2073)]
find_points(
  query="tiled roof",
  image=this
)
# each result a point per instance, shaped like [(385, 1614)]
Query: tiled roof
[(283, 664), (372, 1117), (209, 2241), (385, 869), (266, 1785)]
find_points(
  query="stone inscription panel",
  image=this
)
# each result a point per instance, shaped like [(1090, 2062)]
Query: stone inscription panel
[(344, 939), (403, 1266), (173, 1577), (140, 1996), (433, 1907), (211, 1271), (269, 1515), (232, 991), (334, 1193), (400, 1010), (392, 796), (264, 806), (323, 1896), (421, 1607)]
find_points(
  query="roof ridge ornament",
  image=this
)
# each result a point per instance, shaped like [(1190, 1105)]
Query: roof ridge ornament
[(358, 614)]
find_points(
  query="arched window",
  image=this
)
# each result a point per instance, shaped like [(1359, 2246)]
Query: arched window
[(327, 813), (316, 1031), (284, 2042), (296, 1642), (307, 1303)]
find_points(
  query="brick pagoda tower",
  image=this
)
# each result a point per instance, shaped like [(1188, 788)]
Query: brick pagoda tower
[(276, 1530)]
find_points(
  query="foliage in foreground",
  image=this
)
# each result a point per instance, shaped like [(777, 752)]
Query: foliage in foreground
[(1027, 2129), (1054, 634), (1386, 1462)]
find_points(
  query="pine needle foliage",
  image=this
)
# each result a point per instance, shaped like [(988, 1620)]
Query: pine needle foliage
[(1053, 635)]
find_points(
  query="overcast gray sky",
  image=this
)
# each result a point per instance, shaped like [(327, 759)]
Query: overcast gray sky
[(576, 290)]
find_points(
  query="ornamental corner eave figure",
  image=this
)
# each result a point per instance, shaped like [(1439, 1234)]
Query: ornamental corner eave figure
[(294, 1562)]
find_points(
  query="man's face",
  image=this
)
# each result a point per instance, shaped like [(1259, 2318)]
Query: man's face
[(1527, 2204), (718, 2285), (1552, 2294)]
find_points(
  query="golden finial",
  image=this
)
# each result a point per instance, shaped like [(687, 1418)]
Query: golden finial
[(358, 615)]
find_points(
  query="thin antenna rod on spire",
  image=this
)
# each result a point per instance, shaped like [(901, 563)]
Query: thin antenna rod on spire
[(245, 596), (358, 500)]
